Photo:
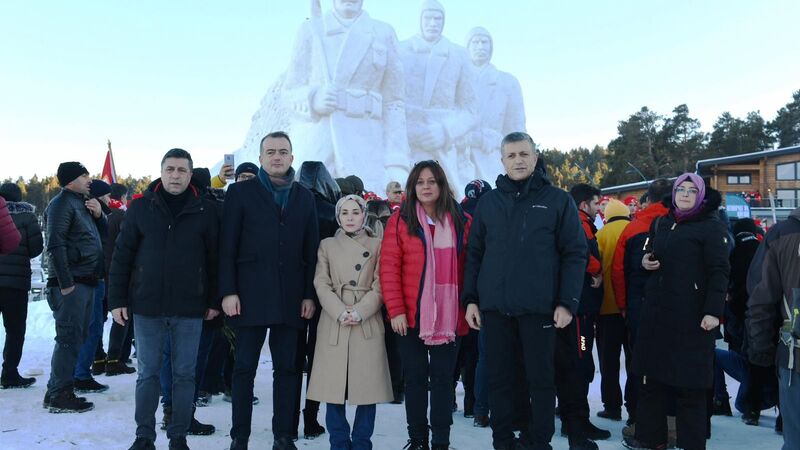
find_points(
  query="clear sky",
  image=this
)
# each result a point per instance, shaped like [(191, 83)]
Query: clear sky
[(152, 75)]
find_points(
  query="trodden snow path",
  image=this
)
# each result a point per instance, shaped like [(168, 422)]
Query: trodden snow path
[(25, 425)]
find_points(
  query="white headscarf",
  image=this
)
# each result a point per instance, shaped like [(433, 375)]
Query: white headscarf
[(362, 204)]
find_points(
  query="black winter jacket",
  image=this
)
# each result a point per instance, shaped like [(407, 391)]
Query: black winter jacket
[(691, 282), (164, 265), (527, 250), (115, 218), (774, 274), (15, 268), (73, 240)]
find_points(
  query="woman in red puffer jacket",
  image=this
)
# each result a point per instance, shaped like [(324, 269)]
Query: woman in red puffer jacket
[(421, 273), (9, 235)]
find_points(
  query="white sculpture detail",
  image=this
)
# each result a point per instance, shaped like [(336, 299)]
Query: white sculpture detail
[(501, 107), (364, 104)]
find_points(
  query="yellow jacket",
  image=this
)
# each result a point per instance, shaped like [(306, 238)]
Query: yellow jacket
[(617, 218)]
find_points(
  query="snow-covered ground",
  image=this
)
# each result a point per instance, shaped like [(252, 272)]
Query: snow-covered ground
[(25, 425)]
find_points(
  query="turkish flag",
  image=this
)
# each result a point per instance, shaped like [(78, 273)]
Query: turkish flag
[(109, 174)]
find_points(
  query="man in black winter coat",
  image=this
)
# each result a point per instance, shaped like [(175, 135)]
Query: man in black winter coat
[(164, 272), (525, 263), (15, 282), (75, 260), (268, 255)]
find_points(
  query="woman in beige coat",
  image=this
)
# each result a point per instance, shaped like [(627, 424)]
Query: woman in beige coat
[(350, 359)]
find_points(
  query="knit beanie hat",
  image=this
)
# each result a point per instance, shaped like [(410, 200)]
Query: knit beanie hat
[(476, 188), (246, 167), (99, 188), (69, 171), (11, 192)]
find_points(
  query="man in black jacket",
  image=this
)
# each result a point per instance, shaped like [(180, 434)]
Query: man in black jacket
[(773, 282), (75, 264), (525, 263), (164, 272), (15, 282), (268, 255)]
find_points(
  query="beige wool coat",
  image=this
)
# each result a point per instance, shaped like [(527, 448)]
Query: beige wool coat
[(349, 361)]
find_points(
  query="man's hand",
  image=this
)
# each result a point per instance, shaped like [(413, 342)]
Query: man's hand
[(68, 290), (650, 264), (211, 314), (709, 322), (231, 305), (473, 316), (597, 280), (120, 315), (226, 172), (93, 205), (307, 309), (400, 325), (324, 101), (562, 317)]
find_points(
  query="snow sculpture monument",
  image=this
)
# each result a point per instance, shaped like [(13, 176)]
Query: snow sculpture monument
[(362, 103)]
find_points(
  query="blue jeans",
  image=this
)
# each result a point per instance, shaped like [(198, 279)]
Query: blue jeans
[(151, 333), (790, 407), (735, 365), (481, 379), (86, 354), (206, 338), (73, 313), (339, 429)]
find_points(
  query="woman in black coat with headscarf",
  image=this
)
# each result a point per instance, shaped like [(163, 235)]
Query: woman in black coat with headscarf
[(685, 297)]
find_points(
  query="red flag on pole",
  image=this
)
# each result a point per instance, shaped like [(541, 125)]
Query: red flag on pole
[(109, 174)]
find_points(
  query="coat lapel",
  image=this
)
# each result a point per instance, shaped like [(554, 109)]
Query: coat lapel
[(436, 60), (358, 41)]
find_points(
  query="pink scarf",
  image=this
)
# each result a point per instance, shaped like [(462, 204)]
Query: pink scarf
[(438, 305)]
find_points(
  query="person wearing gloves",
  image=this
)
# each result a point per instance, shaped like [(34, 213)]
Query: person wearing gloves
[(350, 359)]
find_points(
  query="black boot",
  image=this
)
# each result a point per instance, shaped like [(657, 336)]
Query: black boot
[(46, 402), (721, 408), (283, 444), (114, 367), (142, 443), (589, 430), (98, 367), (15, 381), (417, 444), (178, 443), (751, 418), (89, 386), (582, 443), (238, 444), (66, 402), (611, 414), (480, 421), (311, 427), (196, 428)]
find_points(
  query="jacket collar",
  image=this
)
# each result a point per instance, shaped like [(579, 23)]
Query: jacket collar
[(536, 181), (192, 205)]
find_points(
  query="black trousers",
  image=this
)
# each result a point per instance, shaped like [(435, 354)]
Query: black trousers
[(423, 367), (119, 340), (306, 345), (574, 371), (690, 414), (213, 379), (612, 337), (535, 337), (393, 355), (465, 368), (283, 347), (14, 308)]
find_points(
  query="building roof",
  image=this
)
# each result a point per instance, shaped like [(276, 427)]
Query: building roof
[(746, 157), (641, 185)]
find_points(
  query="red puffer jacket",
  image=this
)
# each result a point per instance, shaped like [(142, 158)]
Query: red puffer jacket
[(402, 263), (9, 235)]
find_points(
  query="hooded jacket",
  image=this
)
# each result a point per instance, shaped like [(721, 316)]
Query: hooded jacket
[(616, 221), (9, 236), (774, 275), (15, 268), (527, 250), (690, 283), (165, 265), (315, 177)]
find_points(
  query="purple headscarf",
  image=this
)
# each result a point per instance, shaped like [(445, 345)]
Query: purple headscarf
[(699, 203)]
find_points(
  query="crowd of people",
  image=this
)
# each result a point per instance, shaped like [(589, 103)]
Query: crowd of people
[(395, 300)]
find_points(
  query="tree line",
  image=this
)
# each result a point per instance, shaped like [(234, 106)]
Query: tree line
[(648, 145)]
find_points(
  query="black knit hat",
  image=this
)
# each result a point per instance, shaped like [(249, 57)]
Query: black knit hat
[(69, 171), (246, 167), (118, 191), (99, 188), (476, 188), (358, 185), (11, 192)]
